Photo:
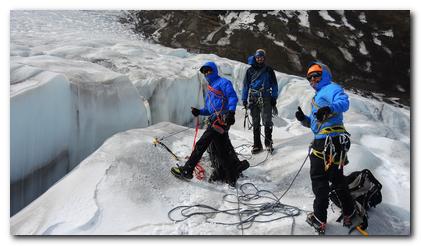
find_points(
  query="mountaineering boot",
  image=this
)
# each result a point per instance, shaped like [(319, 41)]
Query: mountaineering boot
[(232, 183), (256, 149), (268, 139), (358, 218), (182, 172), (257, 146), (269, 147), (347, 219), (243, 165), (313, 221)]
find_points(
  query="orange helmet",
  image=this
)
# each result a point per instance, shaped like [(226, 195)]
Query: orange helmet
[(314, 68)]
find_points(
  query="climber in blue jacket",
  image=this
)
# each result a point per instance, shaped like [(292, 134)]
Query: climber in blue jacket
[(330, 145), (220, 104), (260, 92)]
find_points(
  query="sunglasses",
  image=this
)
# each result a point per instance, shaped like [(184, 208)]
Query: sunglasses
[(314, 76)]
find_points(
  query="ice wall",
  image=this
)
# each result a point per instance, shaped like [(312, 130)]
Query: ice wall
[(40, 135), (62, 111)]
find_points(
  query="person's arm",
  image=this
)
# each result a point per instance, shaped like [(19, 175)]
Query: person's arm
[(274, 84), (339, 101), (306, 121), (231, 95), (205, 111)]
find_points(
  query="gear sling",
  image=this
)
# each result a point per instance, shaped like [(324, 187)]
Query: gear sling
[(218, 123)]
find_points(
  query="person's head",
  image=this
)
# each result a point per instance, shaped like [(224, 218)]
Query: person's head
[(210, 71), (260, 56), (318, 75), (206, 70), (314, 74)]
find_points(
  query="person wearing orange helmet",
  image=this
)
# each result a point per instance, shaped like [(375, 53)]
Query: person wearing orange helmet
[(329, 147)]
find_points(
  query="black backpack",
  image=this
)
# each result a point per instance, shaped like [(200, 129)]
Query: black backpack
[(363, 187)]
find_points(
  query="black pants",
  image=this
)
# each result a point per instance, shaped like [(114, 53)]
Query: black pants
[(320, 184), (261, 112), (227, 166), (208, 137)]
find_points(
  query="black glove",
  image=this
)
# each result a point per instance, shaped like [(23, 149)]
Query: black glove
[(300, 115), (322, 113), (273, 102), (245, 104), (195, 111), (230, 118)]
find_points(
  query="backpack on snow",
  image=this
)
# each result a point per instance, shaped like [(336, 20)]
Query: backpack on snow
[(363, 187)]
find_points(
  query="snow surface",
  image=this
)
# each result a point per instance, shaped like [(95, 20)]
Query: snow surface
[(130, 191), (125, 186)]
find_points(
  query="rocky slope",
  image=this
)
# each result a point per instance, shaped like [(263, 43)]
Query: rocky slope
[(368, 51)]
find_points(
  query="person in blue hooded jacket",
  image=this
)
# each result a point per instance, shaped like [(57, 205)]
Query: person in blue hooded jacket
[(329, 147), (260, 92), (220, 104)]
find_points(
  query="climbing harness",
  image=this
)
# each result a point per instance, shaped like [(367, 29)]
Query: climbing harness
[(330, 149), (256, 97), (345, 142), (218, 123), (333, 129), (329, 152)]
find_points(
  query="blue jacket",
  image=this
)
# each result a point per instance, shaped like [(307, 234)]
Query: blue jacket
[(219, 103), (267, 80), (327, 94)]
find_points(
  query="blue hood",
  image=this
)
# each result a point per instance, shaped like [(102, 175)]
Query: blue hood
[(251, 60), (326, 75), (211, 78)]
